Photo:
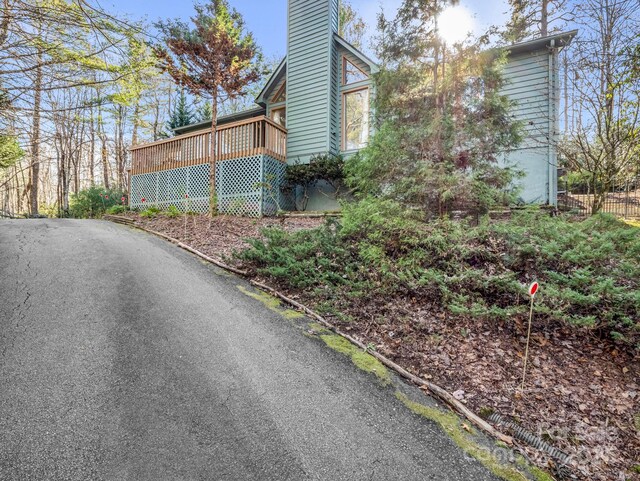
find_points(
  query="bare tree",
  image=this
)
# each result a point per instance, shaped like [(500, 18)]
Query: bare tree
[(352, 27), (605, 141), (535, 18)]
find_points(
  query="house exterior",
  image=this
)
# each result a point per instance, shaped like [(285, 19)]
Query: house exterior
[(316, 102), (533, 84)]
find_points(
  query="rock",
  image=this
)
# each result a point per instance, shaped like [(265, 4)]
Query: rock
[(459, 394)]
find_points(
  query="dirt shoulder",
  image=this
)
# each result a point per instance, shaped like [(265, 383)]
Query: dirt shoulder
[(582, 394)]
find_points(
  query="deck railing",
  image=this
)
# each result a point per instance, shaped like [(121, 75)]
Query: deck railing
[(255, 136)]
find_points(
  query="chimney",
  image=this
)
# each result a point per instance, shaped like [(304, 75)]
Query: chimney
[(312, 79)]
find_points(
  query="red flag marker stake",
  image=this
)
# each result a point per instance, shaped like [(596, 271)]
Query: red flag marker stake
[(533, 288)]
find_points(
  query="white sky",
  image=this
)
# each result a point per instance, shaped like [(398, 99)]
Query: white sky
[(485, 12)]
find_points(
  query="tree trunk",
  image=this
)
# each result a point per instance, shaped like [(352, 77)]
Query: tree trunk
[(565, 67), (121, 150), (92, 150), (105, 161), (35, 137), (136, 122), (104, 153), (213, 197), (156, 121), (544, 18)]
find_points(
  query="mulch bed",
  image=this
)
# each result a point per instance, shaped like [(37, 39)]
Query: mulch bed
[(581, 394), (220, 236)]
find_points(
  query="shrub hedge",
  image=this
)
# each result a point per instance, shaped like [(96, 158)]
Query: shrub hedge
[(589, 270)]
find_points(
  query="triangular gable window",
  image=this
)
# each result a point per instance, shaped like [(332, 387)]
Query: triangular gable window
[(351, 74), (281, 94)]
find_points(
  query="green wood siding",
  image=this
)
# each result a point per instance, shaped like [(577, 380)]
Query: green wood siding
[(311, 95), (532, 80)]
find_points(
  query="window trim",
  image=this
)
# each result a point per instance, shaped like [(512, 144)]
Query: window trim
[(344, 72), (279, 92), (275, 109), (343, 123)]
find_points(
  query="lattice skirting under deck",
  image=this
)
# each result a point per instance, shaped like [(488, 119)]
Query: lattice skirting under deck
[(248, 186)]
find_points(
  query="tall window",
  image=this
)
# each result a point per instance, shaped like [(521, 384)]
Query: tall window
[(351, 73), (279, 116), (355, 119)]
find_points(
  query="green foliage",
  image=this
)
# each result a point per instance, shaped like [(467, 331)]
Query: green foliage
[(351, 25), (216, 56), (94, 202), (10, 151), (589, 270), (50, 210), (150, 212), (441, 120), (293, 256), (325, 167), (439, 152), (526, 19), (203, 112), (172, 211), (116, 209), (182, 113), (216, 59)]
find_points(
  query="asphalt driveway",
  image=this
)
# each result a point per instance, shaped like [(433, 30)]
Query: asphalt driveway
[(123, 357)]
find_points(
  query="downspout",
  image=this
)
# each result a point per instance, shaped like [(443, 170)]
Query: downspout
[(551, 127), (332, 53), (286, 78)]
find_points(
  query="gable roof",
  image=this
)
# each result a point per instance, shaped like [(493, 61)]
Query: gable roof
[(273, 80), (356, 53), (277, 74)]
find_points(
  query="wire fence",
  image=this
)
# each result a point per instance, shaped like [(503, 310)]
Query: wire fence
[(622, 198)]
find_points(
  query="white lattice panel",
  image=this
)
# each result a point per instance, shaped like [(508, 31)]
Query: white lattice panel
[(248, 186), (186, 188), (238, 186), (273, 177)]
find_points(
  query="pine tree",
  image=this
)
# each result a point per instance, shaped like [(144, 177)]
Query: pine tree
[(10, 151), (182, 114), (441, 124), (203, 112), (221, 60)]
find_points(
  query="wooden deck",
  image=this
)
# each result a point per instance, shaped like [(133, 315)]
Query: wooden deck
[(246, 138)]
